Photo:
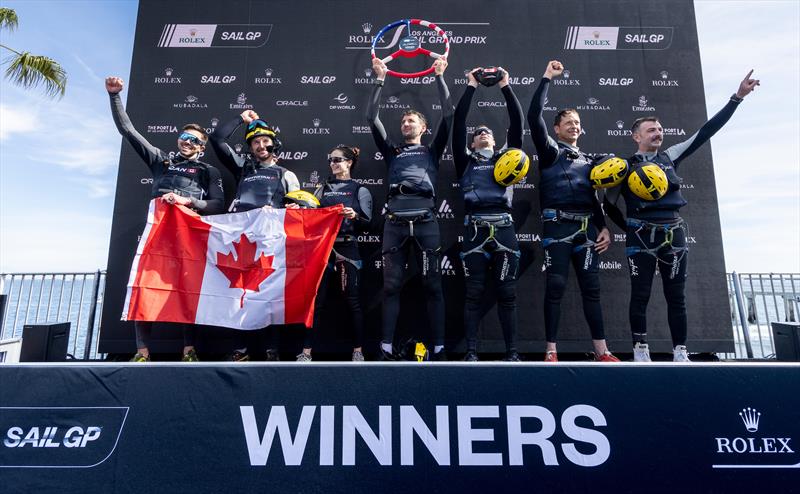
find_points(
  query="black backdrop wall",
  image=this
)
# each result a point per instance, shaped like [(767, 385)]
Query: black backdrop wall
[(304, 66)]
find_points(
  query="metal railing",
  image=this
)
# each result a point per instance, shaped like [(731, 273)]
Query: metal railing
[(757, 300), (39, 298)]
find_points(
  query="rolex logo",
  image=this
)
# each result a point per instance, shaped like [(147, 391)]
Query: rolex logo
[(565, 74), (750, 417), (596, 34), (168, 72), (214, 122), (193, 32), (366, 27), (268, 72), (316, 122), (237, 147), (368, 72), (467, 72), (620, 124), (664, 74)]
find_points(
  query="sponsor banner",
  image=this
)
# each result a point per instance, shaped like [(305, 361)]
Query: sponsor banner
[(214, 35), (165, 428), (618, 38)]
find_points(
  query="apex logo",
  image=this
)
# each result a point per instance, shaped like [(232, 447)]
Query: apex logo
[(445, 211), (446, 266)]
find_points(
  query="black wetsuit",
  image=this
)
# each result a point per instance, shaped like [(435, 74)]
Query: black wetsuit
[(345, 259), (410, 219), (490, 245), (198, 181), (571, 217), (656, 234), (258, 184)]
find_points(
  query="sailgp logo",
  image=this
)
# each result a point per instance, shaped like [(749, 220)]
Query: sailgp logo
[(765, 451)]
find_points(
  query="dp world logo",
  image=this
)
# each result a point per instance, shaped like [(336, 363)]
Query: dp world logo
[(341, 103), (752, 450)]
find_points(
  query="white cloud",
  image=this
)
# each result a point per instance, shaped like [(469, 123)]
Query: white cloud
[(16, 120)]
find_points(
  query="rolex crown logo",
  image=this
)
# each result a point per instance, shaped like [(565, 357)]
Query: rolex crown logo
[(664, 74), (368, 72), (193, 32), (565, 74), (316, 122), (620, 124), (268, 72), (596, 34), (168, 72), (237, 147), (214, 122), (750, 417), (366, 27)]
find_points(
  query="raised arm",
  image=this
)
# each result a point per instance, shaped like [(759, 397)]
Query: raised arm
[(219, 141), (149, 153), (514, 137), (443, 133), (546, 147), (375, 124), (460, 155), (681, 151)]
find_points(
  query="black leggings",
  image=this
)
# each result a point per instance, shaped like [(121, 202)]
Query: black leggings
[(672, 262), (585, 261), (346, 276), (425, 244), (145, 328), (503, 266)]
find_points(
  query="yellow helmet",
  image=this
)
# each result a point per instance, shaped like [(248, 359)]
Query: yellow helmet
[(609, 173), (648, 181), (511, 167), (301, 198)]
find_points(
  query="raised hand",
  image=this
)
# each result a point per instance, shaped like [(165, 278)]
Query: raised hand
[(114, 85), (472, 81), (439, 65), (747, 85), (554, 69), (379, 68), (504, 81)]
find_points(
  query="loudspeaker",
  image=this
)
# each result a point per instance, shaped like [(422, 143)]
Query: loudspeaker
[(44, 342), (786, 336)]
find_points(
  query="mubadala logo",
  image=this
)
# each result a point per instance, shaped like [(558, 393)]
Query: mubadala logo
[(317, 79), (565, 80), (341, 99), (394, 433), (292, 102), (593, 103), (168, 77), (664, 80), (445, 211), (446, 266), (394, 103), (316, 129), (268, 78), (241, 103), (217, 79), (614, 81), (746, 447), (620, 130), (643, 106), (191, 101), (162, 129), (367, 79)]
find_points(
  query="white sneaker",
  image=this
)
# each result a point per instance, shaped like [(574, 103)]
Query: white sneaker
[(358, 356), (679, 354), (303, 357), (641, 352)]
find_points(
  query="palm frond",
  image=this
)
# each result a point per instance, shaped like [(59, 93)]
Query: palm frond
[(8, 18), (30, 71)]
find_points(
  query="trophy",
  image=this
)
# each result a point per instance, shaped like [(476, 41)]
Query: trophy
[(411, 47)]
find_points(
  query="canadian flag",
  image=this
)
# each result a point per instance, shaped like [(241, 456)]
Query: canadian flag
[(241, 270)]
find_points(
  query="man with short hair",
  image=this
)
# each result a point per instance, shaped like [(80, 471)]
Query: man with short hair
[(410, 220), (656, 233), (180, 179), (573, 226), (261, 183)]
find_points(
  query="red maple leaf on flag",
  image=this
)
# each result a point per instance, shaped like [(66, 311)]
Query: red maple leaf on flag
[(247, 272)]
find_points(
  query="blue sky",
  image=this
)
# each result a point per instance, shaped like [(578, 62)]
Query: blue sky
[(58, 160)]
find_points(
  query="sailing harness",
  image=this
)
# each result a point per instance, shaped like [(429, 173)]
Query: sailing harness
[(667, 228), (557, 216), (490, 244)]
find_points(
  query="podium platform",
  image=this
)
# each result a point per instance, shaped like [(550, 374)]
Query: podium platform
[(400, 427)]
